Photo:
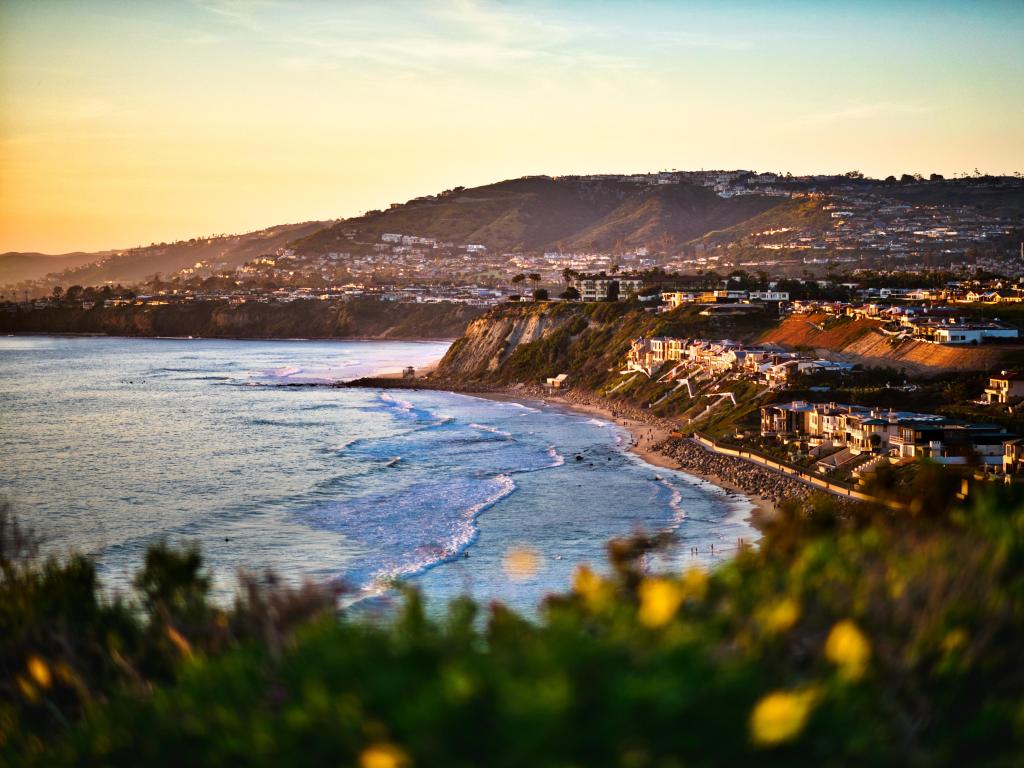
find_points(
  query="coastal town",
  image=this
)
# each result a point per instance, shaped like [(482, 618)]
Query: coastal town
[(511, 383), (825, 282)]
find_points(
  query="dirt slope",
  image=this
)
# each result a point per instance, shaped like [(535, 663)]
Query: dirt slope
[(862, 341)]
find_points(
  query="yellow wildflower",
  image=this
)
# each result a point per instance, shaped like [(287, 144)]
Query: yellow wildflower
[(780, 716), (40, 671), (521, 564), (383, 756), (695, 583), (659, 601), (781, 616), (848, 649), (591, 587)]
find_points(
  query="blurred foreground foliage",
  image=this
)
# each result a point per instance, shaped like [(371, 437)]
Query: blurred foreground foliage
[(886, 638)]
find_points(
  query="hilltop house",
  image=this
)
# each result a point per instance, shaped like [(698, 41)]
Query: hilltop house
[(600, 287), (674, 299), (1004, 388), (973, 333)]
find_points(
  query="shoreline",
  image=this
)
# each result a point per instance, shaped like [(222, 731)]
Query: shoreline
[(651, 439), (648, 437)]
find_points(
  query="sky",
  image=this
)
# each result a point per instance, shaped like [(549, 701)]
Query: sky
[(124, 123)]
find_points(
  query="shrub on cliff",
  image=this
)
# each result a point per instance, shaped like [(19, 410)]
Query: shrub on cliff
[(878, 640)]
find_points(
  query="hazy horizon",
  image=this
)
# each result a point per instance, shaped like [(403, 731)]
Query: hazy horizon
[(155, 122)]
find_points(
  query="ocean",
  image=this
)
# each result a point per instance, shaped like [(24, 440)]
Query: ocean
[(111, 444)]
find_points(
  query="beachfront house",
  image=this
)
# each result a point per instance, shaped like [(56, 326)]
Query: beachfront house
[(899, 434), (709, 358)]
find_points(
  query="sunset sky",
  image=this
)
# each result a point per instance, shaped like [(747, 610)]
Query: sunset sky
[(129, 122)]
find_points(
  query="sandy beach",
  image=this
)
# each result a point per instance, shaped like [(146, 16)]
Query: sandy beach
[(649, 436)]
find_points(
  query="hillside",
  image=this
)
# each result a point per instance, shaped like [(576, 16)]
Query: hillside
[(135, 264), (360, 318), (861, 341), (800, 214), (525, 343), (540, 213), (1002, 197), (16, 266), (669, 215), (519, 346)]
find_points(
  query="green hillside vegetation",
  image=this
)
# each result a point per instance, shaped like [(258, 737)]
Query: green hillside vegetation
[(879, 639), (594, 344), (667, 215), (800, 213), (358, 318), (538, 213)]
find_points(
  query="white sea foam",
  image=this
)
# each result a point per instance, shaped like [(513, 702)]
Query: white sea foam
[(427, 557), (556, 458), (403, 405), (285, 372), (675, 502), (521, 406), (492, 430)]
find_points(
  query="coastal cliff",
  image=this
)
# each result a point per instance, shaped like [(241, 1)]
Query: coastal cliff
[(525, 343), (359, 318)]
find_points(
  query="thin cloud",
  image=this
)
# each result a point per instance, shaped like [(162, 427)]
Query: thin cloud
[(414, 37), (865, 112)]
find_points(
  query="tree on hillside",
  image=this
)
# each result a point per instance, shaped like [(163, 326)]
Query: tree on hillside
[(534, 277), (570, 294), (57, 292), (569, 274), (613, 290), (517, 279), (540, 294)]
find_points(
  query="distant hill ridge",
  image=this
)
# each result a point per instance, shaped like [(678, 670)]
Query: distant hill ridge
[(531, 214), (131, 265), (540, 213)]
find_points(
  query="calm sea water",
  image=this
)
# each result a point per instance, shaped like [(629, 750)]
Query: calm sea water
[(110, 444)]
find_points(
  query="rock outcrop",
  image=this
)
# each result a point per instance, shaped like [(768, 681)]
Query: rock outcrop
[(490, 340)]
